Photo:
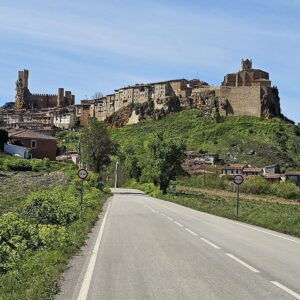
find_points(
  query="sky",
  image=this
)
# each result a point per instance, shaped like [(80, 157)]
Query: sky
[(90, 46)]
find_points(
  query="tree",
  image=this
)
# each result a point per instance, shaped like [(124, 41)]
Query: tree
[(97, 95), (3, 138), (162, 161), (97, 146), (8, 105), (131, 162)]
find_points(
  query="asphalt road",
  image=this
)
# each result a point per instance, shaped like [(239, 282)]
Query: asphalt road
[(151, 249)]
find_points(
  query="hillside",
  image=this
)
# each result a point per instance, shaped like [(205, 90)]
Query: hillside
[(241, 139)]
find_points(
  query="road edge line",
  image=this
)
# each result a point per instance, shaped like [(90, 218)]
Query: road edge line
[(90, 269)]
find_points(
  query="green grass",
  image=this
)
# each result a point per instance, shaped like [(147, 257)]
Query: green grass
[(273, 140), (276, 216)]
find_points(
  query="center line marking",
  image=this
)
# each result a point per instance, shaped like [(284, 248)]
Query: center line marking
[(210, 243), (163, 214), (242, 263), (170, 219), (297, 296), (177, 223), (190, 231)]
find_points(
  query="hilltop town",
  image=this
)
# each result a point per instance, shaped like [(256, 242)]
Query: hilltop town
[(36, 118), (246, 92)]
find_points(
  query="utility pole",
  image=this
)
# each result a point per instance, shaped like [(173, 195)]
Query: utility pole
[(116, 174)]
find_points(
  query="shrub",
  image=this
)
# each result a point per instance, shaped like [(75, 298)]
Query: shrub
[(17, 238), (255, 185), (53, 236), (55, 207), (17, 164), (286, 190)]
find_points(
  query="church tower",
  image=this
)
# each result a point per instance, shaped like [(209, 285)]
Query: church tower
[(246, 65)]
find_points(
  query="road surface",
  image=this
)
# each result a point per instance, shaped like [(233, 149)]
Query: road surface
[(152, 249)]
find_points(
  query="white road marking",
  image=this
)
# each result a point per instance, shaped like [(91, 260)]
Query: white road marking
[(242, 263), (177, 223), (89, 272), (190, 231), (292, 293), (210, 243), (267, 232), (163, 214), (170, 218)]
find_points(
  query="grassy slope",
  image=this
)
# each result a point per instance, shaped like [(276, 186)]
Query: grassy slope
[(274, 140), (37, 277)]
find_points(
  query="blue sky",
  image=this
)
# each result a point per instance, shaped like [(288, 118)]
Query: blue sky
[(95, 45)]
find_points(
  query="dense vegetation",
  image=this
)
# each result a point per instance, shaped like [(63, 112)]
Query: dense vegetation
[(253, 185), (159, 163), (41, 226), (241, 139)]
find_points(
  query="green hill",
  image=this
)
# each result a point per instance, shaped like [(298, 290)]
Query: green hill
[(236, 139)]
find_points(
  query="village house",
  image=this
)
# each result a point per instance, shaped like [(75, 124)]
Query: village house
[(65, 118), (250, 171), (272, 169), (293, 176), (40, 145), (233, 169)]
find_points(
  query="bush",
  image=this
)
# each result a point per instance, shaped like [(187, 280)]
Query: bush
[(53, 236), (53, 207), (40, 164), (17, 238), (17, 164), (256, 185), (286, 189)]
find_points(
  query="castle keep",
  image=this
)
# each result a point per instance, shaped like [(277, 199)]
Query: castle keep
[(26, 100)]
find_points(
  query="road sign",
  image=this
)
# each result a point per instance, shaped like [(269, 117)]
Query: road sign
[(82, 174), (238, 179)]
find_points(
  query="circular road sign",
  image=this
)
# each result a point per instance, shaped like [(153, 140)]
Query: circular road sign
[(82, 173), (238, 179)]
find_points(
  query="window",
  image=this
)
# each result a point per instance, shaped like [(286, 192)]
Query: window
[(33, 143)]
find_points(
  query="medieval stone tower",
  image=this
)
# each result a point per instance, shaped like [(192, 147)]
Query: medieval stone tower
[(26, 100), (246, 65)]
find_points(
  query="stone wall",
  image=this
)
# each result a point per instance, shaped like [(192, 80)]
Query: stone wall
[(240, 101)]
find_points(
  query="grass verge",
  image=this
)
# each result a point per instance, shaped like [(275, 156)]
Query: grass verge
[(278, 216)]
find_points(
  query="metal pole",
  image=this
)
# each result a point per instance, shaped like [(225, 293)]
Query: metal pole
[(237, 200), (116, 175), (81, 196)]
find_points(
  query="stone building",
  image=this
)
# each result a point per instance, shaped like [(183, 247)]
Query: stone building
[(26, 100), (248, 92)]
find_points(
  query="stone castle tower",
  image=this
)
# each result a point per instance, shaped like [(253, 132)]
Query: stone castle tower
[(26, 100)]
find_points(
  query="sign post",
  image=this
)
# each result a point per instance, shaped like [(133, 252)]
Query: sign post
[(238, 180), (82, 174)]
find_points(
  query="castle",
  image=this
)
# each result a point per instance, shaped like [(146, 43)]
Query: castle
[(246, 92), (26, 100)]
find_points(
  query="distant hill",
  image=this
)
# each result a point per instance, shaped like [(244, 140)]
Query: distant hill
[(237, 139)]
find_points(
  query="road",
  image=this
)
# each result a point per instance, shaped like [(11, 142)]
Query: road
[(152, 249)]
